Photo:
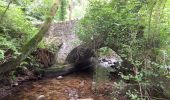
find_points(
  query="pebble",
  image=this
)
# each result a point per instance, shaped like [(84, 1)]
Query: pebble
[(41, 97), (82, 83), (86, 99), (14, 84), (59, 77)]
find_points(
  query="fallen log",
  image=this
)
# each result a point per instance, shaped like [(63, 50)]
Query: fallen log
[(54, 71)]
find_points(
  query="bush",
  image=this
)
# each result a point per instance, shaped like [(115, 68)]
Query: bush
[(14, 23), (138, 29), (15, 29)]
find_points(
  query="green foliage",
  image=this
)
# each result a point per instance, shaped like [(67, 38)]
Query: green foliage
[(34, 10), (106, 18), (38, 9), (31, 63), (134, 95), (138, 29), (15, 24), (105, 51), (15, 29), (1, 54), (101, 76), (8, 44), (62, 11)]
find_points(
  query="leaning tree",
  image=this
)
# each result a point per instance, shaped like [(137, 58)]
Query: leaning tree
[(32, 44)]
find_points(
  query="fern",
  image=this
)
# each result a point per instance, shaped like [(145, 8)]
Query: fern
[(8, 44), (15, 23)]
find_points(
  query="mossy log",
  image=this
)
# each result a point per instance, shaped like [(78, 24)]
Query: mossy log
[(53, 71)]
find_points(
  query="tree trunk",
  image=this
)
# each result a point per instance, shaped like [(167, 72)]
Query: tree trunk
[(70, 9), (32, 44)]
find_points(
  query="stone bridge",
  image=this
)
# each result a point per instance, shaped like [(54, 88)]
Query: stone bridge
[(62, 34)]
